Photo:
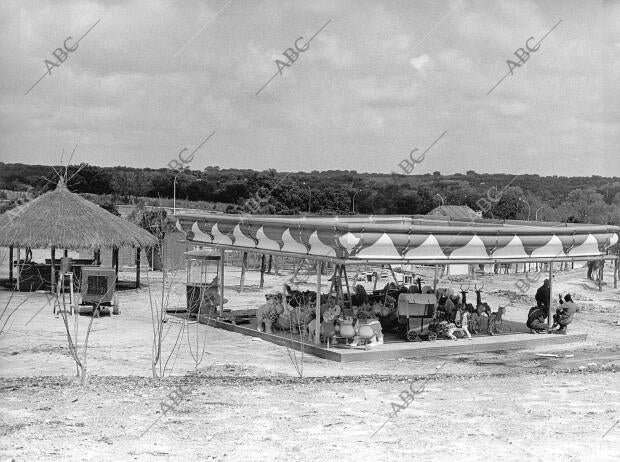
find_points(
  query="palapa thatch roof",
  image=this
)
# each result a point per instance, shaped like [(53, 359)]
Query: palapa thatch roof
[(66, 220)]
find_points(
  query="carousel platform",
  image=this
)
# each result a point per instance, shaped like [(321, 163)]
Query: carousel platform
[(515, 337)]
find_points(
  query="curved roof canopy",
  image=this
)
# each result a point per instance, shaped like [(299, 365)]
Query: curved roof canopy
[(63, 219), (407, 239)]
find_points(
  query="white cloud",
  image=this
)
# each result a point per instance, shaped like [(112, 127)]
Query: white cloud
[(420, 63)]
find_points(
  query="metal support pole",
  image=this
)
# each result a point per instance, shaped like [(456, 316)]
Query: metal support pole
[(346, 279), (222, 257), (317, 332), (550, 294), (616, 274), (394, 275), (244, 264), (435, 281), (601, 268)]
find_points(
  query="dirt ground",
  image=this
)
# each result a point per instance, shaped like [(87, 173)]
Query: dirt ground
[(246, 401)]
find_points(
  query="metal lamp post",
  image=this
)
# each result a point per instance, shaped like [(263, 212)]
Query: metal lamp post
[(354, 200), (528, 207), (538, 210), (174, 194), (309, 195)]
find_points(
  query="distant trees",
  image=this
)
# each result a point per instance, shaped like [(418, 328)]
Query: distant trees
[(593, 199)]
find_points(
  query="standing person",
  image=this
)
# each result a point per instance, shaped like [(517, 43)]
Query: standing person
[(564, 314), (542, 295)]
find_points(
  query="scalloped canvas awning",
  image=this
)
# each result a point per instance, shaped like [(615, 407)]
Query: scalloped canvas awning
[(410, 239)]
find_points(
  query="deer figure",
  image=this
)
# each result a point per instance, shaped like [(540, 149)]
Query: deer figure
[(464, 294), (496, 321), (478, 295)]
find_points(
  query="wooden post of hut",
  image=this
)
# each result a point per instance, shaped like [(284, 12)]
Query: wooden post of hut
[(115, 260), (11, 264), (53, 271), (138, 250)]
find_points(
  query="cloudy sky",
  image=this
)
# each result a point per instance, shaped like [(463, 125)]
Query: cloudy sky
[(382, 78)]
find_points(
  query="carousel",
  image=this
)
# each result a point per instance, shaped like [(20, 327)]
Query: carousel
[(351, 314)]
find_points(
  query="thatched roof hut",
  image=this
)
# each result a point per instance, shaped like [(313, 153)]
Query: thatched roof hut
[(66, 220)]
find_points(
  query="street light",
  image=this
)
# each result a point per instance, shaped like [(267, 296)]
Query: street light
[(174, 194), (537, 210), (309, 195), (354, 200), (528, 207)]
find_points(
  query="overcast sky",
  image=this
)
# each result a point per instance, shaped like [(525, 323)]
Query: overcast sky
[(382, 78)]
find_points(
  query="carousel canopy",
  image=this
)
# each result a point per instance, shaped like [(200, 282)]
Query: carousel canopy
[(407, 239), (63, 219)]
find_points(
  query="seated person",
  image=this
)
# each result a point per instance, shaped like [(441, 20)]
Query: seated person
[(360, 297), (564, 314), (452, 304), (537, 320)]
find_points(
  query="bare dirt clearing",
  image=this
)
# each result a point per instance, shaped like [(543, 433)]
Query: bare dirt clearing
[(248, 404)]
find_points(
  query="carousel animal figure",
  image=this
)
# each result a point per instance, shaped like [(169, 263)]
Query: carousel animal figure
[(595, 267), (481, 318), (471, 318), (413, 289), (328, 324), (496, 321), (464, 294), (464, 322), (367, 329), (346, 328), (267, 314), (427, 290), (478, 295), (448, 329)]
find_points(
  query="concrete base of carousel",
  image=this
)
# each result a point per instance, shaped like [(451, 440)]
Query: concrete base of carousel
[(394, 347)]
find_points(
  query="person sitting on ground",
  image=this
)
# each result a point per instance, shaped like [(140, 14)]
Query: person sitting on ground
[(564, 314), (537, 320), (542, 295), (452, 304)]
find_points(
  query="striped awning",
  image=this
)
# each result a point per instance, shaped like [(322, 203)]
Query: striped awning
[(407, 239)]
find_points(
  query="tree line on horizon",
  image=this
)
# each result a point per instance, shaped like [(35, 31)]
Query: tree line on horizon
[(593, 199)]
